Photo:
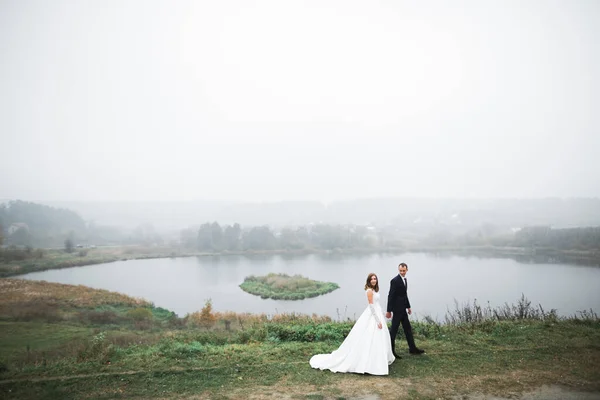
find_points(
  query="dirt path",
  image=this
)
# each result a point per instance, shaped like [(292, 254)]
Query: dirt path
[(552, 392), (352, 387)]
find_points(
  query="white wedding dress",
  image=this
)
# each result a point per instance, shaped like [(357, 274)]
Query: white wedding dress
[(366, 350)]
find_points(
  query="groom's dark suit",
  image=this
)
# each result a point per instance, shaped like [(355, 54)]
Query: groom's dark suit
[(397, 304)]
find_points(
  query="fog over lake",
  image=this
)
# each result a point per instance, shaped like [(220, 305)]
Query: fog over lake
[(435, 282)]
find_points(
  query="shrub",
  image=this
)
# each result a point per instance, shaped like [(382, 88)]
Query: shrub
[(100, 317), (163, 314), (205, 318), (33, 311), (13, 253), (128, 338), (176, 322), (69, 246), (97, 348), (189, 350), (140, 314)]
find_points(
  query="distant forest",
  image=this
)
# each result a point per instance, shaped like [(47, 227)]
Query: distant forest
[(526, 224), (413, 213), (214, 238), (37, 225)]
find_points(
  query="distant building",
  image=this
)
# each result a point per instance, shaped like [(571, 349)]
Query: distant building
[(16, 226)]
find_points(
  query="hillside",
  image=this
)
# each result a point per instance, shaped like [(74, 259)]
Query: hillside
[(72, 342)]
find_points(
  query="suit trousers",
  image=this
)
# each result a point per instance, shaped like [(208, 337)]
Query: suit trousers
[(397, 319)]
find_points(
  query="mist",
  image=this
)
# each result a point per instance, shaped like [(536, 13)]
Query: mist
[(270, 101)]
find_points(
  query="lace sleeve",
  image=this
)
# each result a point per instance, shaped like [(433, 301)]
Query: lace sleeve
[(372, 308)]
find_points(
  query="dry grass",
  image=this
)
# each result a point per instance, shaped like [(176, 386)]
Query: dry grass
[(41, 260), (230, 320), (285, 282), (510, 385), (139, 250), (302, 318), (19, 291)]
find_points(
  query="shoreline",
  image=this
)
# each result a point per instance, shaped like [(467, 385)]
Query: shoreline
[(58, 259)]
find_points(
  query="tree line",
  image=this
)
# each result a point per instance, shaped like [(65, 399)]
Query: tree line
[(36, 225), (587, 238), (32, 225), (216, 238)]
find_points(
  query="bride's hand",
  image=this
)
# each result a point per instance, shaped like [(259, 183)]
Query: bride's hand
[(379, 325)]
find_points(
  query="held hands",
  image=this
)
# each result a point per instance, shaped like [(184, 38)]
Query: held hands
[(388, 314), (379, 325)]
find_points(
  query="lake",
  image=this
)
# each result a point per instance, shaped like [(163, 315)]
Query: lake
[(435, 282)]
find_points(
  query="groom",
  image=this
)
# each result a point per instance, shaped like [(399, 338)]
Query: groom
[(399, 305)]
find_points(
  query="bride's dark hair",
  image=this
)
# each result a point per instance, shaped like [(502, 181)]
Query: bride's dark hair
[(368, 285)]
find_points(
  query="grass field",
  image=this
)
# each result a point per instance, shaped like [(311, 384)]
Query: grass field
[(73, 342)]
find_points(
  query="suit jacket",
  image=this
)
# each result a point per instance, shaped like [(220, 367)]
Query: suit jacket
[(397, 298)]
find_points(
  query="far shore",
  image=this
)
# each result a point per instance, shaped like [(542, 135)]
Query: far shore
[(58, 258)]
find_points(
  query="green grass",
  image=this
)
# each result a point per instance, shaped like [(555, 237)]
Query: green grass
[(19, 338), (187, 362), (133, 351)]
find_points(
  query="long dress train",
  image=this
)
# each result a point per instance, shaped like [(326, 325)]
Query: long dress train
[(366, 350)]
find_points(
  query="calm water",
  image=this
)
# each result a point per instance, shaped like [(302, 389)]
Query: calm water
[(183, 284)]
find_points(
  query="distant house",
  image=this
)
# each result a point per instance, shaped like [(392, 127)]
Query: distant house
[(16, 226)]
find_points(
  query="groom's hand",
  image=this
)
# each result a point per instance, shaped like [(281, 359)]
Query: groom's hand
[(388, 315), (409, 311)]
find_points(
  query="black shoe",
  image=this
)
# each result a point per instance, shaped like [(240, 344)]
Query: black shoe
[(396, 355), (416, 350)]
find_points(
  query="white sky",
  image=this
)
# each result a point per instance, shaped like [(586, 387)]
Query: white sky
[(298, 100)]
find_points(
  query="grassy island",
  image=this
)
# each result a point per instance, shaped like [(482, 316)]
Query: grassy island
[(285, 287)]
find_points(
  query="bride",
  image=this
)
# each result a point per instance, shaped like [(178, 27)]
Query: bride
[(367, 349)]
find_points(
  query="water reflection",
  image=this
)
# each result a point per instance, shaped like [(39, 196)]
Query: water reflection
[(436, 281)]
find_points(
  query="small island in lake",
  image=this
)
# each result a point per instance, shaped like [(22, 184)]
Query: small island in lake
[(285, 287)]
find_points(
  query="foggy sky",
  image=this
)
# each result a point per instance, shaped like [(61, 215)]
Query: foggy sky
[(305, 100)]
